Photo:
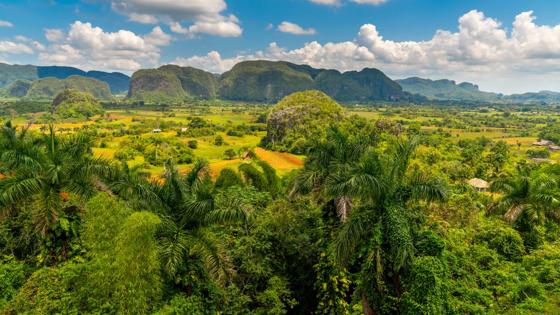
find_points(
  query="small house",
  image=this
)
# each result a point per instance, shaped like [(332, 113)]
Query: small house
[(479, 184), (157, 130), (184, 129)]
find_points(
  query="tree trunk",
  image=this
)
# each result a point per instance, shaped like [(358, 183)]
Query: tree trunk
[(365, 306)]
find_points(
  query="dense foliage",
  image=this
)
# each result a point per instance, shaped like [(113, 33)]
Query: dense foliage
[(380, 218), (74, 104)]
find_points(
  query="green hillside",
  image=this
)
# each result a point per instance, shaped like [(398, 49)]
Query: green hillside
[(195, 82), (12, 73), (263, 81), (300, 118), (75, 104), (18, 88), (446, 90), (155, 85), (48, 88)]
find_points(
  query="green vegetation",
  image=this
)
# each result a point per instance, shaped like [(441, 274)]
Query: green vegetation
[(19, 88), (155, 85), (48, 88), (12, 73), (195, 82), (74, 104), (445, 90), (9, 74), (300, 118), (449, 90), (177, 210)]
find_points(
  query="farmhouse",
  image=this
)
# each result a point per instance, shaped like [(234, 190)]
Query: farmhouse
[(479, 184), (157, 130)]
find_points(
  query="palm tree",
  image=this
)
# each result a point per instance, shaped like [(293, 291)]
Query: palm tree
[(381, 188), (535, 197), (188, 207), (327, 160), (47, 172)]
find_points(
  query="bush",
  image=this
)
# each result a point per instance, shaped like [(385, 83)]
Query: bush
[(505, 241), (230, 154), (219, 140), (193, 144)]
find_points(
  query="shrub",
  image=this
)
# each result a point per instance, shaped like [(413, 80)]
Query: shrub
[(193, 144)]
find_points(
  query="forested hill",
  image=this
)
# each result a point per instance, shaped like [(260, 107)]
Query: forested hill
[(264, 81), (446, 89), (450, 90), (118, 82)]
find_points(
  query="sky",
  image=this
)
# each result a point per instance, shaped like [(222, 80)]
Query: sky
[(503, 46)]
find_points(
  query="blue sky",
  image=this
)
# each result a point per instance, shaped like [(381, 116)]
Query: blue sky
[(397, 36)]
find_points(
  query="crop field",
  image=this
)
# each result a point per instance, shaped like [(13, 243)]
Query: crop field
[(115, 130)]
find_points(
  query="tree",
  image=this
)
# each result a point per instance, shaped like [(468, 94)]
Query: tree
[(381, 224), (326, 162), (523, 195), (377, 187), (48, 172), (188, 206), (499, 155)]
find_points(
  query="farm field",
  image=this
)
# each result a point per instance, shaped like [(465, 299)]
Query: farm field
[(239, 130), (113, 132)]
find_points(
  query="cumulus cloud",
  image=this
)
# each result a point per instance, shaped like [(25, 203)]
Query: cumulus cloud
[(191, 17), (292, 28), (89, 47), (6, 24), (11, 47), (482, 50)]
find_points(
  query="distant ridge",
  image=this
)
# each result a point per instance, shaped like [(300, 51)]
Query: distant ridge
[(118, 82), (449, 90), (446, 90)]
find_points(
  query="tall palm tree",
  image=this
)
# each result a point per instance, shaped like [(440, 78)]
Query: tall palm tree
[(189, 207), (533, 196), (381, 188), (330, 158), (46, 172)]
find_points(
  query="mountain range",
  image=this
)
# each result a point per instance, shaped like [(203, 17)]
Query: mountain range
[(250, 81), (444, 90), (263, 81)]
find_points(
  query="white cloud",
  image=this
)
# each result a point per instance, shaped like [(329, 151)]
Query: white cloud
[(292, 28), (54, 35), (89, 47), (482, 51), (200, 16), (226, 27), (10, 47), (158, 37), (6, 24), (326, 2)]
